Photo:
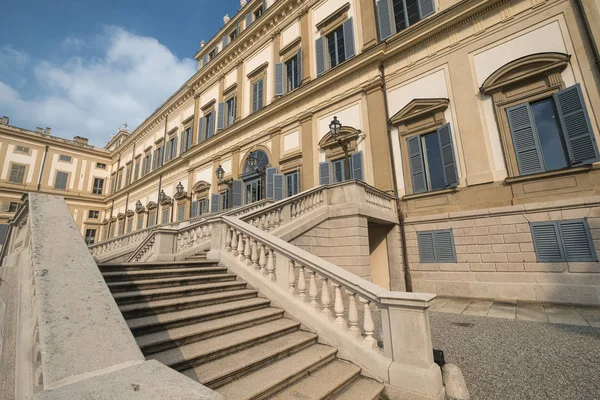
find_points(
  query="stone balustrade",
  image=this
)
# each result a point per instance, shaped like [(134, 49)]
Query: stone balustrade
[(336, 303)]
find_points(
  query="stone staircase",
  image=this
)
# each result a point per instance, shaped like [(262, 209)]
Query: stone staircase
[(199, 319)]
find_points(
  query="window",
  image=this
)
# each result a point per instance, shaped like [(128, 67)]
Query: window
[(111, 231), (432, 163), (165, 216), (292, 183), (61, 180), (64, 158), (207, 126), (568, 240), (258, 13), (120, 179), (98, 186), (186, 139), (552, 133), (181, 212), (9, 206), (113, 182), (93, 214), (288, 75), (212, 54), (100, 165), (90, 236), (396, 15), (336, 47), (121, 226), (140, 222), (233, 35), (292, 79), (199, 207), (128, 175), (436, 246), (147, 163), (22, 149), (3, 232), (257, 95), (129, 224), (230, 111), (225, 204), (338, 169), (151, 218), (136, 170), (17, 173)]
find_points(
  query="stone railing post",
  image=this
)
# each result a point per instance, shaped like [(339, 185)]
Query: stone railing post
[(217, 240), (164, 245), (407, 341)]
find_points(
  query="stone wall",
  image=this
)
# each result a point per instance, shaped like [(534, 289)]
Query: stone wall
[(496, 257)]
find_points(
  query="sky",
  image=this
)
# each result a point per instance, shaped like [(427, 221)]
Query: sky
[(85, 67)]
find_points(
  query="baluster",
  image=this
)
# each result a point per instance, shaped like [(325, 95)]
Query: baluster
[(338, 306), (293, 211), (247, 251), (325, 298), (240, 248), (368, 324), (234, 243), (263, 223), (254, 256), (313, 292), (262, 259), (271, 264), (302, 206), (280, 214), (291, 277), (353, 315), (301, 285), (228, 240)]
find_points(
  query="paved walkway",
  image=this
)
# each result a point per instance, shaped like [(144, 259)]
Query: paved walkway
[(520, 350), (524, 311)]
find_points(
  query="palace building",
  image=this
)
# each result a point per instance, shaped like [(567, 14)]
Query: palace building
[(480, 116)]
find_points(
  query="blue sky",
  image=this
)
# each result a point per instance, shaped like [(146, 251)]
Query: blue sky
[(85, 67)]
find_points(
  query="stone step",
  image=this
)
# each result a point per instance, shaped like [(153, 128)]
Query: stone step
[(183, 303), (221, 371), (135, 284), (107, 267), (193, 354), (145, 274), (161, 322), (362, 389), (177, 291), (324, 383), (163, 340), (267, 381)]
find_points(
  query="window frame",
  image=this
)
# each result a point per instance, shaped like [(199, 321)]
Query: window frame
[(434, 236), (87, 237), (564, 257), (65, 158), (24, 176), (24, 149), (101, 186), (66, 181), (261, 77), (91, 214), (232, 97), (98, 165), (287, 177)]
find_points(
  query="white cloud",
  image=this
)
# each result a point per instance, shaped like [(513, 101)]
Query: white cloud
[(92, 97)]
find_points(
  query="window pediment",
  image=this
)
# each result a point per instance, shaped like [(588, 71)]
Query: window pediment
[(201, 189), (151, 205), (332, 147), (121, 216), (525, 68), (129, 213), (419, 108)]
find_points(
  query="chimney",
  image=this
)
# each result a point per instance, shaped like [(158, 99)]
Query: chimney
[(80, 140), (47, 131), (39, 130), (226, 19), (243, 3), (4, 121)]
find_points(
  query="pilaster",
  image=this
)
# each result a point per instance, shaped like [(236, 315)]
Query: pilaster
[(368, 24), (307, 174), (306, 54)]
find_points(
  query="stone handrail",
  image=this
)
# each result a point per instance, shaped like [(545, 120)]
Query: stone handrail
[(63, 334), (327, 298), (118, 242)]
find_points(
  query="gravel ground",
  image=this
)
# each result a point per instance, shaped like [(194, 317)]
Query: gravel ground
[(514, 360)]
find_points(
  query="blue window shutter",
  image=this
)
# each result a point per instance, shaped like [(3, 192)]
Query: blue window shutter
[(194, 208), (221, 116), (264, 5), (320, 48), (576, 126), (324, 173), (278, 186), (190, 137), (385, 22), (546, 241), (576, 240), (182, 142), (237, 189), (417, 171), (232, 111), (299, 67), (447, 151), (426, 7), (444, 246), (426, 243), (269, 181), (525, 139), (248, 19), (357, 166), (261, 101), (279, 79), (225, 41), (167, 155), (214, 202), (348, 28), (201, 129), (255, 97), (204, 60), (211, 125), (174, 148)]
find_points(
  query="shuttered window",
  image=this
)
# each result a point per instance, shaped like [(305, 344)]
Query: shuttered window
[(552, 133), (61, 180), (181, 212), (269, 173), (432, 162), (436, 246), (17, 173), (165, 215), (335, 171), (140, 222), (278, 187), (221, 116), (336, 47), (560, 241), (257, 95), (292, 183)]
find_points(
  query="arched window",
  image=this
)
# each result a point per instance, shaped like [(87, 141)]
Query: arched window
[(254, 176)]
